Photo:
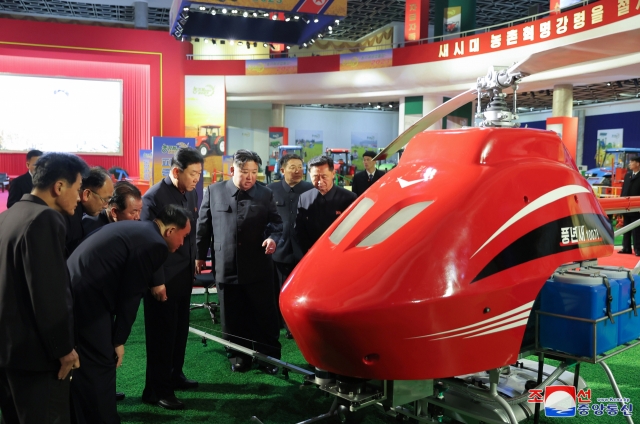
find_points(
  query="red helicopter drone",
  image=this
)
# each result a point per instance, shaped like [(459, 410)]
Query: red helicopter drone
[(428, 301)]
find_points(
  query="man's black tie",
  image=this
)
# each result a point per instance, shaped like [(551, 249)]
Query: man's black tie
[(370, 177)]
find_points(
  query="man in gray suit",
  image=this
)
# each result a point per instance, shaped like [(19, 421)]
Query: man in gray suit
[(239, 221)]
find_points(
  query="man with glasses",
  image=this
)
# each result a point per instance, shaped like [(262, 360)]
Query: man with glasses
[(124, 205), (318, 208), (95, 193), (286, 194)]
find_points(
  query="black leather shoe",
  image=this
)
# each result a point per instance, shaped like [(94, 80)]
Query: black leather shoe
[(239, 368), (269, 369), (119, 396), (627, 252), (184, 384), (170, 402)]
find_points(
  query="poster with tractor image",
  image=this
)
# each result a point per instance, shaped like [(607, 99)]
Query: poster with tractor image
[(360, 143), (311, 142), (205, 118)]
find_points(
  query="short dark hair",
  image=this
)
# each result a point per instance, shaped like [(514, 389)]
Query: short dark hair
[(174, 215), (243, 156), (33, 154), (369, 153), (186, 156), (321, 160), (53, 167), (286, 158), (121, 191), (96, 178), (635, 159)]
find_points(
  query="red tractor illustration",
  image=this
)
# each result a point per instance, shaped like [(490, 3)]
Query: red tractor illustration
[(209, 141)]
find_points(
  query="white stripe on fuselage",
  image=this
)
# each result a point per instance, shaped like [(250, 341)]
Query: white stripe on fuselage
[(540, 202)]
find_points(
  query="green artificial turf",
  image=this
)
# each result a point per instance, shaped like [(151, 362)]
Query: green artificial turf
[(224, 397)]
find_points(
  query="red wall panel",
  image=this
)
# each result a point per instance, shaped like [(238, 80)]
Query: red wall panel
[(106, 50), (307, 65)]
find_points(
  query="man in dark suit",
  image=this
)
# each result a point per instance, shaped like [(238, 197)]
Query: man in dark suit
[(124, 205), (24, 183), (97, 189), (286, 193), (365, 179), (631, 187), (167, 322), (318, 208), (109, 274), (239, 221), (36, 320)]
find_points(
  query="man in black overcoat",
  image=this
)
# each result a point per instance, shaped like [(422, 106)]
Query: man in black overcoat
[(365, 179), (631, 187), (24, 183), (167, 323), (318, 208), (109, 274), (36, 318), (239, 222), (286, 193)]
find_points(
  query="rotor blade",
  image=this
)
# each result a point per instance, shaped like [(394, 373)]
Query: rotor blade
[(426, 121)]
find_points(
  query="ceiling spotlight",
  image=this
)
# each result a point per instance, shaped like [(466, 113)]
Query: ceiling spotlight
[(196, 40), (287, 18), (224, 10), (202, 8), (213, 11), (234, 11), (231, 42), (288, 47), (186, 9), (378, 106), (264, 44), (239, 43), (608, 84), (390, 105), (315, 20), (312, 41), (255, 14), (206, 41), (330, 28), (304, 44), (265, 15), (319, 35), (245, 14), (255, 44), (337, 22), (275, 17), (213, 41), (296, 17), (369, 103), (330, 32), (305, 20)]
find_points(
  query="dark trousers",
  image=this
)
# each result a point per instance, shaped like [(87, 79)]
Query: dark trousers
[(92, 393), (33, 397), (626, 237), (282, 273), (166, 331), (94, 383), (249, 318)]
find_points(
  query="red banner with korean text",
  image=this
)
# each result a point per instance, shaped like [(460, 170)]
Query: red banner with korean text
[(571, 22), (416, 19)]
